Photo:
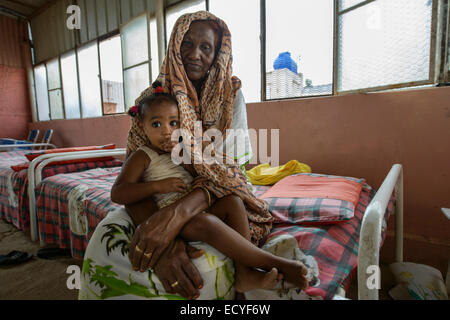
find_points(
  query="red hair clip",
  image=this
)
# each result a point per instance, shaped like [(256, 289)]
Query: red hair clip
[(158, 89), (134, 109)]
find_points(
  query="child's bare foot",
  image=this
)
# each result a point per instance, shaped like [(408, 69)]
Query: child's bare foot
[(248, 279), (294, 272)]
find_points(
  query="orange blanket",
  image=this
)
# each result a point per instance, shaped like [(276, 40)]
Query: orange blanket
[(305, 186)]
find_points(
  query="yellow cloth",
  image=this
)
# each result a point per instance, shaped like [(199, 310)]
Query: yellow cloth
[(263, 174)]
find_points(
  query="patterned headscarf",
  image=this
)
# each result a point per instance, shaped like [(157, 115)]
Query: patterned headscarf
[(214, 109)]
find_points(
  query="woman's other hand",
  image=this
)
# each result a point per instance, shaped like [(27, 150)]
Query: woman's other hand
[(176, 271)]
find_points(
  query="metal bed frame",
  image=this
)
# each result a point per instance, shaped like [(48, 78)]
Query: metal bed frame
[(35, 175)]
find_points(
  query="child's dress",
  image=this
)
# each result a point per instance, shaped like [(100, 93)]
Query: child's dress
[(162, 167)]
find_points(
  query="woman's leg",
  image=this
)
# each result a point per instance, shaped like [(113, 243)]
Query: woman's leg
[(212, 230)]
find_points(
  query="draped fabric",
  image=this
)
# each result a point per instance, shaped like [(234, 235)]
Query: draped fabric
[(214, 109)]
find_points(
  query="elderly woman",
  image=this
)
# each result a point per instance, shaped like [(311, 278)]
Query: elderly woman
[(135, 253)]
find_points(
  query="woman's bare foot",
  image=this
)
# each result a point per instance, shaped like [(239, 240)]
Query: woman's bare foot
[(294, 272), (248, 279)]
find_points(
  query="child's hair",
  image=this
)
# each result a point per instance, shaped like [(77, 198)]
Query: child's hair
[(157, 95)]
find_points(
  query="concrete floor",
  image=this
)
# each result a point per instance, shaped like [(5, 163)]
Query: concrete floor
[(46, 279)]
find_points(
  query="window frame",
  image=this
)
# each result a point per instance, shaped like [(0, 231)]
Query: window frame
[(149, 54), (439, 53), (58, 59), (105, 37), (434, 49)]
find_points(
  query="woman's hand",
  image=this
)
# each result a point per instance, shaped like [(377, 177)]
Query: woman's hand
[(170, 185), (152, 237), (175, 267)]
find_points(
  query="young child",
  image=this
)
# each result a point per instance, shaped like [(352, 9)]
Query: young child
[(225, 226)]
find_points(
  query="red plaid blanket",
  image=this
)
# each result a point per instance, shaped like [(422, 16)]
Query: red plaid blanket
[(7, 159), (53, 208), (334, 246), (15, 208)]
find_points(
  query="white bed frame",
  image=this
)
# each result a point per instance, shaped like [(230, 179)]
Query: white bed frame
[(370, 234), (35, 176)]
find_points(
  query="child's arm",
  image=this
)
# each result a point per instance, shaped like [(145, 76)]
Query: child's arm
[(128, 188)]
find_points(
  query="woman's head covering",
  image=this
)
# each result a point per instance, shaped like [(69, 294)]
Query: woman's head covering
[(214, 109)]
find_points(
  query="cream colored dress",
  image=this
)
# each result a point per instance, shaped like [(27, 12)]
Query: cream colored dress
[(162, 167)]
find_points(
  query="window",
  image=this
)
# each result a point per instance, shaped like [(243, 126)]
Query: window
[(299, 48), (40, 76), (112, 78), (176, 11), (54, 90), (384, 43), (89, 75), (135, 52), (69, 77), (245, 41)]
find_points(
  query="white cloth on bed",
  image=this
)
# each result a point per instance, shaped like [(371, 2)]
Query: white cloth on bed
[(78, 223), (286, 246), (12, 197)]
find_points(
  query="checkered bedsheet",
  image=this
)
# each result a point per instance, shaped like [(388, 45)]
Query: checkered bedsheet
[(334, 246), (14, 206), (52, 206)]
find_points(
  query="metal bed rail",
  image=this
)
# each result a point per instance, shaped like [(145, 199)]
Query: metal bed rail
[(35, 175), (370, 235)]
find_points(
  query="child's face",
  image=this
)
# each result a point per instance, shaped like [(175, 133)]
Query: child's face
[(158, 123)]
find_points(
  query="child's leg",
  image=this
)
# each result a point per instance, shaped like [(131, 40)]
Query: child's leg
[(212, 230)]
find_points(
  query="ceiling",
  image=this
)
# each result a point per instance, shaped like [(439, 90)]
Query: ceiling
[(24, 8)]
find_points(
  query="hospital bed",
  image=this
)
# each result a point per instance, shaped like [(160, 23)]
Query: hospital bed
[(14, 202), (337, 248)]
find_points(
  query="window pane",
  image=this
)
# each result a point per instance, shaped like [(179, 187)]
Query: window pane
[(70, 85), (136, 81), (89, 81), (56, 108), (173, 13), (299, 63), (40, 75), (135, 42), (154, 49), (384, 43), (54, 81), (112, 81), (245, 42)]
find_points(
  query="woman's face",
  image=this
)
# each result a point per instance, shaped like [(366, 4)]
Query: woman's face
[(198, 50)]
